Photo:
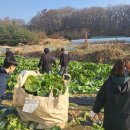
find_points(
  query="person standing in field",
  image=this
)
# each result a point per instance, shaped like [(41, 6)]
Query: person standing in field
[(46, 61), (7, 68), (114, 97), (8, 54), (64, 60)]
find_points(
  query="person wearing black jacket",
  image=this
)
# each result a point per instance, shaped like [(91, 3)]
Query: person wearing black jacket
[(64, 60), (8, 54), (114, 97), (46, 61), (8, 67)]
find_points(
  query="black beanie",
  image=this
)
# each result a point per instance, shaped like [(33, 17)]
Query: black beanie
[(46, 50)]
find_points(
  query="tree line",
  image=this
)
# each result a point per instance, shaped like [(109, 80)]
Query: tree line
[(67, 22), (14, 31), (74, 23)]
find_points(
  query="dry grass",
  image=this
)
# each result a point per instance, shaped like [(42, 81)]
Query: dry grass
[(85, 52), (36, 49), (78, 128), (54, 42), (103, 52), (97, 47), (93, 52), (7, 102), (103, 56)]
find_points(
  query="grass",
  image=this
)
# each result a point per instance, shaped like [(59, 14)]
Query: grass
[(95, 52), (46, 42), (78, 128), (99, 52)]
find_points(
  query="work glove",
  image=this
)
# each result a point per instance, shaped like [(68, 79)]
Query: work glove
[(59, 67), (92, 115), (38, 70)]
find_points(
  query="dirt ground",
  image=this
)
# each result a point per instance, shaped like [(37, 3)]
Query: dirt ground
[(103, 53), (76, 116), (22, 49)]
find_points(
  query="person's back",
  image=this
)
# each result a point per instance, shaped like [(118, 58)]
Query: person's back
[(114, 96), (47, 61), (64, 59), (116, 108), (8, 55)]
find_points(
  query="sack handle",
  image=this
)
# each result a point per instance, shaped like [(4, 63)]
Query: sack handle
[(66, 81), (24, 75), (60, 92), (51, 92)]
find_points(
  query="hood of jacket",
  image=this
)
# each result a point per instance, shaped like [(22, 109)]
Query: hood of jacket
[(120, 83)]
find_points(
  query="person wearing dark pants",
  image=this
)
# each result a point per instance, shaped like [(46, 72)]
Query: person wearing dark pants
[(46, 61), (64, 60), (114, 97), (8, 67)]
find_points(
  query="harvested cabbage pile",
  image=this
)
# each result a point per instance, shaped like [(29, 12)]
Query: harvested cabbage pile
[(42, 85)]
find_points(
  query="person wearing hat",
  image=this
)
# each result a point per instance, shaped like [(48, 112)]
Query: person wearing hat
[(5, 70), (64, 60), (46, 61), (8, 54)]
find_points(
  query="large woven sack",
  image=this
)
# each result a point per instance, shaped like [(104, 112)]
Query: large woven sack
[(47, 111)]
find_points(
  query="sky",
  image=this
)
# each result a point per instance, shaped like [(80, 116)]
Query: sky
[(26, 9)]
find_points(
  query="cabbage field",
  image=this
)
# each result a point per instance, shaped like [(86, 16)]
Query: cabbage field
[(86, 78)]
